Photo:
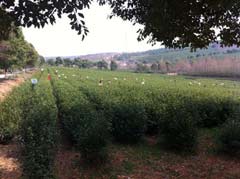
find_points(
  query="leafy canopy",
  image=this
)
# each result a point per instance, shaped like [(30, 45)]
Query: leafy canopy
[(38, 13), (183, 23), (17, 52), (175, 23), (113, 65)]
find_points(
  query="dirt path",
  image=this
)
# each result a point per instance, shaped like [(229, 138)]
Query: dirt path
[(66, 163), (9, 162), (6, 86)]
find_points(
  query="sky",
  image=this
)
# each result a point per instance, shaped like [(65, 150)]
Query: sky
[(106, 35)]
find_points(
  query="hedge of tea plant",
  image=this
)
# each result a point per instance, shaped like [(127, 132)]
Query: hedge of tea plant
[(10, 114), (32, 115), (94, 107), (39, 131), (172, 107), (11, 111), (86, 127), (228, 136)]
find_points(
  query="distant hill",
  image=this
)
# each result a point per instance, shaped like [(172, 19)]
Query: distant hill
[(214, 51), (173, 55), (92, 57), (100, 56)]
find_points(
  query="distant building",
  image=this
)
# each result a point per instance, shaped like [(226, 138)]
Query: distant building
[(172, 74), (125, 65)]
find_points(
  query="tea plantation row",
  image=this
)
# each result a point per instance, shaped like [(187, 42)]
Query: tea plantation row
[(132, 105), (95, 108), (31, 115)]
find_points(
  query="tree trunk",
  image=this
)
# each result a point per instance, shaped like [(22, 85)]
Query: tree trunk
[(5, 72)]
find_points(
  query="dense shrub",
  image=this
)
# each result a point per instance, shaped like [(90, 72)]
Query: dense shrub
[(32, 115), (91, 135), (8, 122), (126, 112), (86, 127), (214, 111), (11, 111), (128, 120), (155, 106), (177, 129), (88, 130), (10, 115), (38, 130), (228, 138), (173, 106), (6, 136)]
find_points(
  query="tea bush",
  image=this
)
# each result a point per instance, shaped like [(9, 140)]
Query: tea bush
[(228, 138), (153, 104), (128, 121), (178, 128), (92, 136), (9, 119), (32, 114), (81, 122), (38, 131), (215, 110), (10, 114), (125, 112)]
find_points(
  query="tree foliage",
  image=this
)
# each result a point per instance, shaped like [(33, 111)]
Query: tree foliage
[(189, 23), (67, 62), (16, 52), (113, 65), (6, 26), (59, 61), (51, 62), (154, 67), (102, 65), (41, 60), (140, 67), (182, 24), (28, 13), (83, 63)]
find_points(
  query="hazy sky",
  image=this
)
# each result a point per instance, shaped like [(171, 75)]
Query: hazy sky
[(106, 35)]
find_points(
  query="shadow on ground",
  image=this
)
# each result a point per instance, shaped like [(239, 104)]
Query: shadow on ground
[(9, 161)]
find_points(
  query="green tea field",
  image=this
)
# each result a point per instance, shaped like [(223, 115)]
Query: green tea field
[(100, 124)]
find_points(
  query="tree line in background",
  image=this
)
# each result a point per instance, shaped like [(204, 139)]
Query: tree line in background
[(82, 63), (227, 67), (16, 52)]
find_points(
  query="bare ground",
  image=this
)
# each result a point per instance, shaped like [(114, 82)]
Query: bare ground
[(7, 85), (148, 161), (9, 161), (64, 164)]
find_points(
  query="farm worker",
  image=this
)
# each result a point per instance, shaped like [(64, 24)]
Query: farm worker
[(100, 83), (49, 76)]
